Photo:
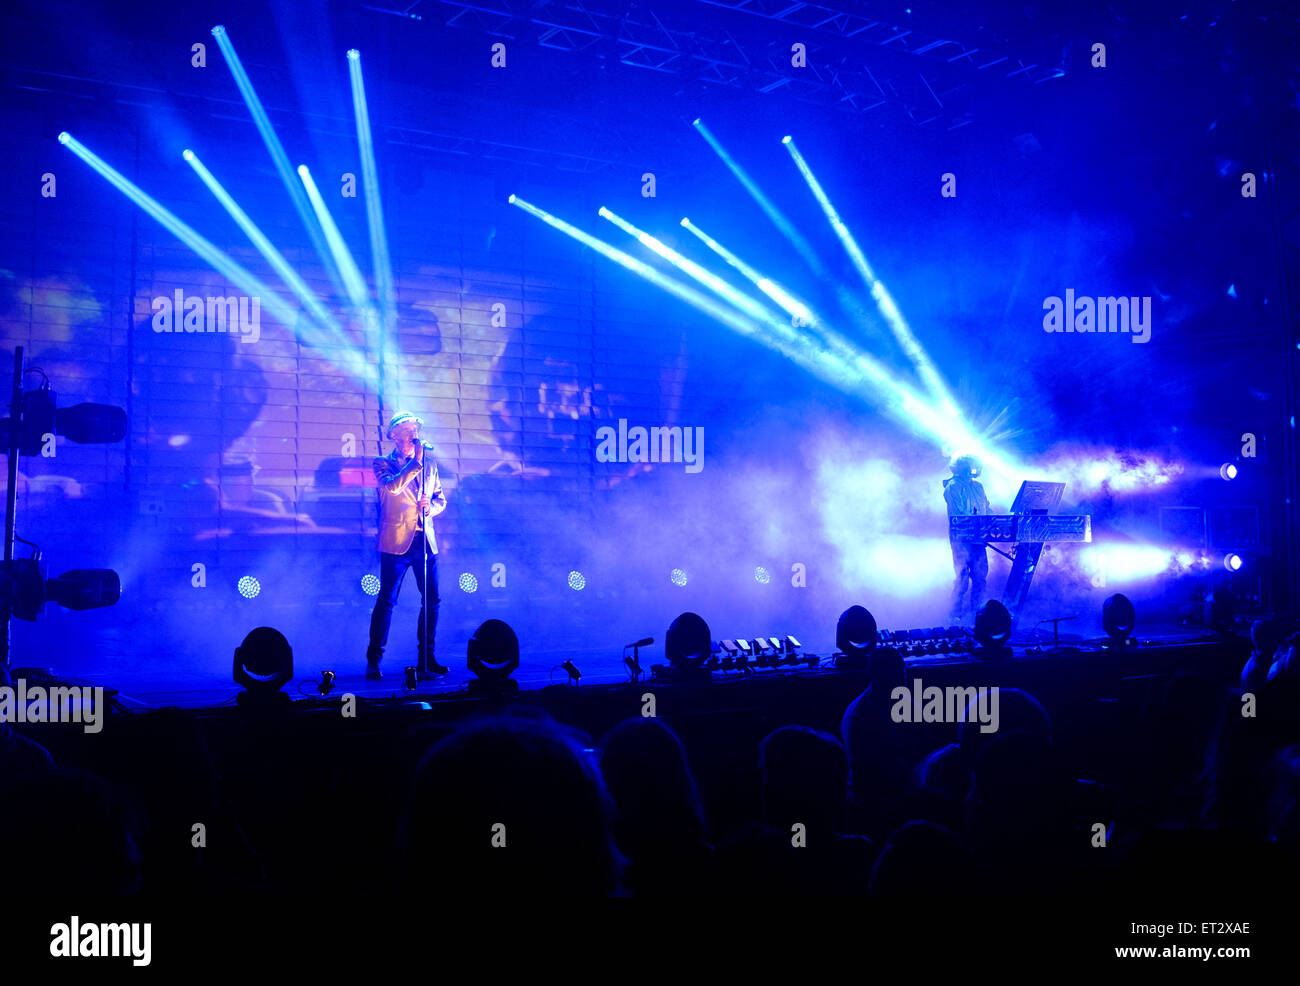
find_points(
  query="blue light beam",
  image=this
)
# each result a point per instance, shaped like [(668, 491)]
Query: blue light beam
[(717, 285), (792, 306), (374, 209), (911, 347), (219, 260), (353, 282), (278, 156), (769, 208), (861, 376), (273, 256)]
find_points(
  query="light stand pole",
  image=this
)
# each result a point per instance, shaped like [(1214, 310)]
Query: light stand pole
[(11, 497)]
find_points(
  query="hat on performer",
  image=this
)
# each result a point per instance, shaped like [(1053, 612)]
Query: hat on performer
[(402, 416)]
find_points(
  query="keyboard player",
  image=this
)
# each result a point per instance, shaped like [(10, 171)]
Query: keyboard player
[(965, 496)]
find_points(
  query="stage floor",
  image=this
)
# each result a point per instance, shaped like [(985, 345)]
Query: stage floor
[(158, 687)]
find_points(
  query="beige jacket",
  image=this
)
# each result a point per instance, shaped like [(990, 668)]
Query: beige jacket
[(399, 512)]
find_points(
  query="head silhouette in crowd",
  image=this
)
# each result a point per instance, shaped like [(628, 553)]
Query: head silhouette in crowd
[(805, 779), (511, 806), (645, 769)]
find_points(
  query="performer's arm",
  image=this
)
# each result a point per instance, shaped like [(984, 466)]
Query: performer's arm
[(395, 481)]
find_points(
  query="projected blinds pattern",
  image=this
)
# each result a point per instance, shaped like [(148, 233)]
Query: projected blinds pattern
[(511, 343)]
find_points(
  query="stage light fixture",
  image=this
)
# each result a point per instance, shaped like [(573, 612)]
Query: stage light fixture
[(993, 625), (84, 588), (21, 588), (678, 576), (1118, 618), (26, 591), (370, 585), (793, 646), (855, 637), (577, 581), (1228, 471), (493, 655), (326, 683), (762, 576), (249, 587), (263, 665), (1233, 561), (85, 424), (575, 675), (89, 424), (688, 644), (467, 582)]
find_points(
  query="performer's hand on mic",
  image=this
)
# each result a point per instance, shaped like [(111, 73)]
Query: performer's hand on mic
[(419, 451), (424, 506)]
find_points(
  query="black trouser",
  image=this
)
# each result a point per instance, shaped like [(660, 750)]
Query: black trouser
[(970, 563), (392, 570)]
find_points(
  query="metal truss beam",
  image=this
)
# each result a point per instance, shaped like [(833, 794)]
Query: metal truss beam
[(449, 142), (831, 20), (698, 48)]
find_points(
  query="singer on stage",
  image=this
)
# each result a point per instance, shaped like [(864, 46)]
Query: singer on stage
[(410, 495)]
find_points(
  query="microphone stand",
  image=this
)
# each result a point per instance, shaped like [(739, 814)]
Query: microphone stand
[(424, 556)]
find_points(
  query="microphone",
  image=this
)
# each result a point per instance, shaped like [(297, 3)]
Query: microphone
[(643, 643), (428, 445)]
